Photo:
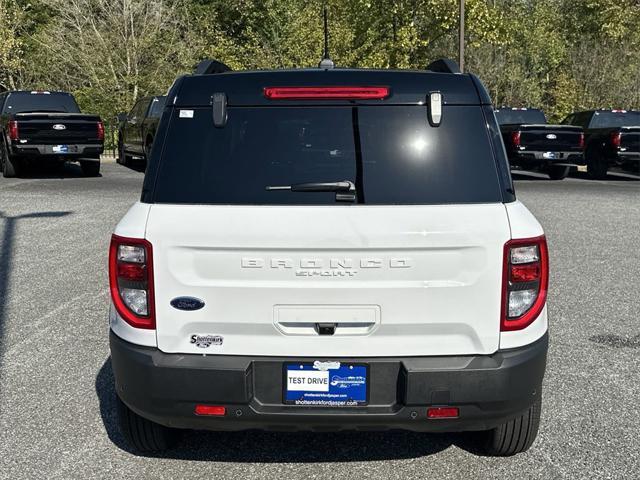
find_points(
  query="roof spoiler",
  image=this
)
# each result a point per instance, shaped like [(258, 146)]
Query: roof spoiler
[(209, 67), (444, 65)]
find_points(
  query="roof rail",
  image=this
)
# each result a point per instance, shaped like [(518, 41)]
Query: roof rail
[(444, 65), (208, 67)]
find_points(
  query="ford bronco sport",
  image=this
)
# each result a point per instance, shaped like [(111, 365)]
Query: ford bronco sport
[(329, 249)]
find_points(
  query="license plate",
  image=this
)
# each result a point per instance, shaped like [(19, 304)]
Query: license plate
[(325, 384), (550, 155), (61, 149)]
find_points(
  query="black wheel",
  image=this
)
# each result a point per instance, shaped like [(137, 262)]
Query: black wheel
[(142, 434), (10, 167), (90, 168), (515, 436), (122, 156), (557, 172), (596, 164)]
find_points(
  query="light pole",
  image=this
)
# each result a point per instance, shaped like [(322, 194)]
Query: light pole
[(461, 36)]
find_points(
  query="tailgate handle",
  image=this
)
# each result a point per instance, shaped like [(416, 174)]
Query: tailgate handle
[(326, 328)]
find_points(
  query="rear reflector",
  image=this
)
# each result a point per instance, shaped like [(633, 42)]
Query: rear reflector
[(211, 410), (324, 93), (443, 412), (13, 130)]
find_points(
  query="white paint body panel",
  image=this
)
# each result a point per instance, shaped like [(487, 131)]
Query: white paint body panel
[(428, 276)]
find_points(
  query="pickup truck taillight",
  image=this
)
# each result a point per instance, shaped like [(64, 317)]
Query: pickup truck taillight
[(525, 282), (616, 138), (100, 131), (13, 130), (131, 280), (515, 138), (581, 140)]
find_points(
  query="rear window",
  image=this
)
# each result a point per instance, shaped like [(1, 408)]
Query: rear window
[(390, 153), (615, 119), (516, 117), (24, 102), (157, 104)]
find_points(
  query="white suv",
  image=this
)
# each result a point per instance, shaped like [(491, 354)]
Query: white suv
[(329, 249)]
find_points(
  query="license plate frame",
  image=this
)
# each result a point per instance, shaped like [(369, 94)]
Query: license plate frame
[(345, 385), (60, 149)]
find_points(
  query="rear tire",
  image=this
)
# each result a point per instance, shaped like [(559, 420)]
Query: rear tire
[(122, 156), (10, 168), (142, 434), (90, 168), (558, 173), (597, 165), (516, 435)]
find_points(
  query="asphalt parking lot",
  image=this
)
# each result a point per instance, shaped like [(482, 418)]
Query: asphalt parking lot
[(56, 394)]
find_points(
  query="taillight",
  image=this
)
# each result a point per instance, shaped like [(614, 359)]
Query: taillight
[(13, 130), (525, 282), (581, 140), (616, 139), (326, 93), (515, 138), (131, 280), (100, 131)]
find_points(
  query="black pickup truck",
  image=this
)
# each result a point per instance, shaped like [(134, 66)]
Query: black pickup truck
[(138, 129), (41, 126), (612, 138), (532, 144)]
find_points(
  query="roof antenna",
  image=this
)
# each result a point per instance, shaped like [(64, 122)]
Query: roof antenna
[(326, 62)]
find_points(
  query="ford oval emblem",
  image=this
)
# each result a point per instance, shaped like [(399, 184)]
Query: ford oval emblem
[(187, 303), (552, 136), (59, 126)]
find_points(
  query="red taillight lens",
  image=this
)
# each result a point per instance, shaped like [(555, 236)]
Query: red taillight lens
[(326, 93), (131, 280), (616, 139), (515, 138), (525, 282), (581, 140), (100, 131), (211, 410), (443, 412), (13, 130)]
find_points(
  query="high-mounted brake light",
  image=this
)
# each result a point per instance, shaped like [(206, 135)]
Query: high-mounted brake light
[(581, 140), (326, 93), (13, 130), (525, 282), (515, 138), (616, 139), (100, 131), (131, 280)]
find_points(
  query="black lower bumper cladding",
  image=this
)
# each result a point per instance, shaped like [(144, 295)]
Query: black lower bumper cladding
[(487, 389)]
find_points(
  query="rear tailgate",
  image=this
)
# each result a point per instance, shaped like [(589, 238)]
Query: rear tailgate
[(397, 280), (57, 128), (552, 138)]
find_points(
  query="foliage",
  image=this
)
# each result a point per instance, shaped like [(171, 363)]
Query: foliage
[(560, 55)]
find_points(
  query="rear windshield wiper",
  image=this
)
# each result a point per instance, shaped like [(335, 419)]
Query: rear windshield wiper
[(345, 190), (344, 186)]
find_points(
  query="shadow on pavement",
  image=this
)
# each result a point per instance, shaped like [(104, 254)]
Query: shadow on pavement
[(6, 254), (276, 447)]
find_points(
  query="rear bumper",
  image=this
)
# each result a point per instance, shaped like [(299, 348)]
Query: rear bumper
[(629, 156), (74, 151), (528, 158), (487, 389)]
